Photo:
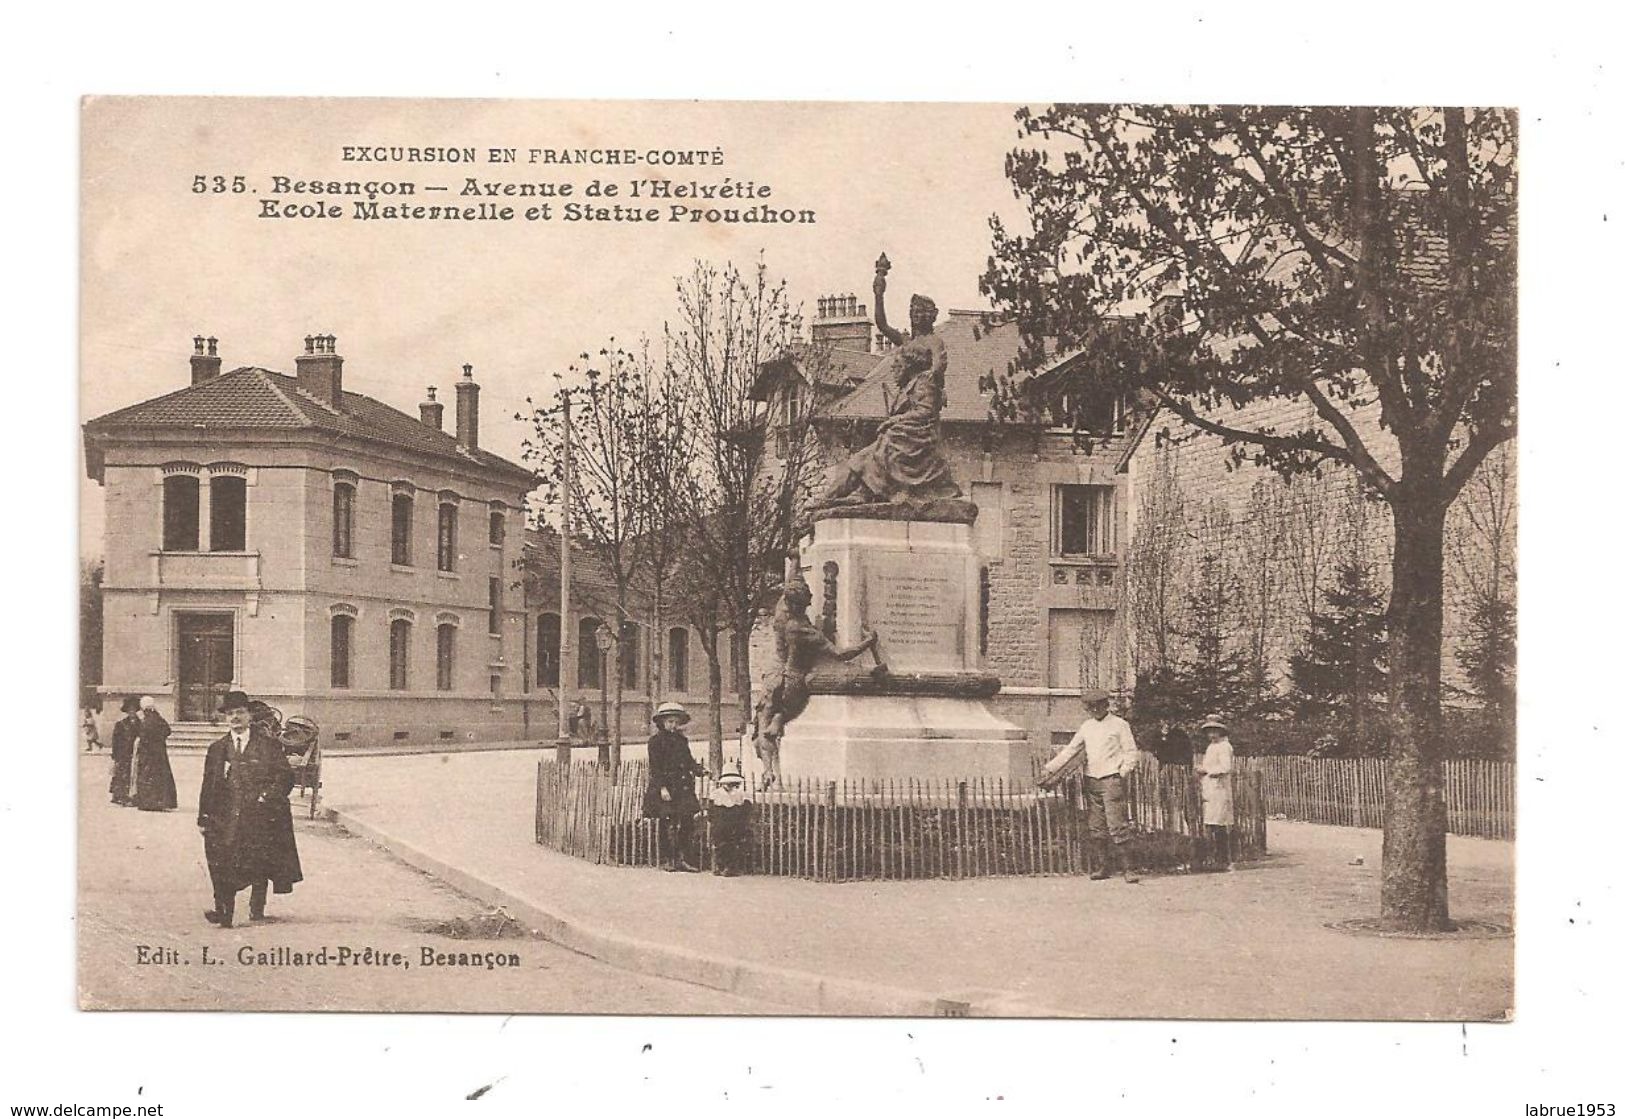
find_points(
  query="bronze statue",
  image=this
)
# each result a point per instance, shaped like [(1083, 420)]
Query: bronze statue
[(905, 462), (801, 647)]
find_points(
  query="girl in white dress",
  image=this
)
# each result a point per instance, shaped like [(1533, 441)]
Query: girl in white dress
[(1218, 805)]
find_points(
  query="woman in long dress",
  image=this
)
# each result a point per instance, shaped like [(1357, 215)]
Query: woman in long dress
[(125, 732), (154, 781), (905, 462)]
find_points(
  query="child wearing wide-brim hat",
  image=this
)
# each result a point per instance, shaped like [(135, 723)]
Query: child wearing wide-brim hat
[(669, 797), (729, 814), (1218, 804)]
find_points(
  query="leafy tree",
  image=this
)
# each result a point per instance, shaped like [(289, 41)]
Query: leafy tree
[(1349, 260), (1489, 656), (1342, 667)]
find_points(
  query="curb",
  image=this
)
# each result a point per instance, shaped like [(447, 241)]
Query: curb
[(798, 990)]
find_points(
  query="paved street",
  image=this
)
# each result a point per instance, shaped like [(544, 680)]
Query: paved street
[(1253, 944), (142, 883)]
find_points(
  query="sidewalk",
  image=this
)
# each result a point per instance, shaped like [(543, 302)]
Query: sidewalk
[(1252, 944)]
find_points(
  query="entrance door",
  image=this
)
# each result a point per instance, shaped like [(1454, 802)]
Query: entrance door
[(205, 665)]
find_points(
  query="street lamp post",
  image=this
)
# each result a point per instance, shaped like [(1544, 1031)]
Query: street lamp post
[(602, 638)]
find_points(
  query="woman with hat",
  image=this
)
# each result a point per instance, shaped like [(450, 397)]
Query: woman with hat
[(125, 732), (154, 780), (1215, 768), (669, 798)]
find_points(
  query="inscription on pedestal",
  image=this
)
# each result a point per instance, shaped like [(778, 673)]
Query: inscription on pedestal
[(919, 612)]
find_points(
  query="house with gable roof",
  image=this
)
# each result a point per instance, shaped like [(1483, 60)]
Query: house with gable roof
[(319, 549)]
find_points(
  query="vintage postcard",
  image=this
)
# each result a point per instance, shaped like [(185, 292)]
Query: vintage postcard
[(751, 558)]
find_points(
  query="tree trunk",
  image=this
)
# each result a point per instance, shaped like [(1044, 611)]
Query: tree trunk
[(713, 673), (1415, 894)]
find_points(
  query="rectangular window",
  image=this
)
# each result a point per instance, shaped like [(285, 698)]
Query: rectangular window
[(1082, 649), (180, 513), (228, 513), (344, 520), (400, 530), (499, 529), (496, 686), (1083, 521), (445, 650), (339, 654), (447, 556), (495, 591)]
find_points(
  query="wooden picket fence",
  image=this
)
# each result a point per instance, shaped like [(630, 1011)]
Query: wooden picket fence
[(1479, 795), (892, 830)]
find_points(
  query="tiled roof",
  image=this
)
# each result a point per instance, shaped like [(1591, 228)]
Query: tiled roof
[(258, 399)]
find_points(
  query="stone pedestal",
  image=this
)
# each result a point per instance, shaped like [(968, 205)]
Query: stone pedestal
[(912, 575)]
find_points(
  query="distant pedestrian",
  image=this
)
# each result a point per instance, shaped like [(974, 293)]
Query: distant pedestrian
[(125, 732), (244, 815), (729, 814), (1104, 750), (669, 798), (1218, 805), (154, 781), (93, 736)]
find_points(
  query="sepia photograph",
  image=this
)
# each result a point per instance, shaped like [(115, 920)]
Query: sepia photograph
[(888, 559)]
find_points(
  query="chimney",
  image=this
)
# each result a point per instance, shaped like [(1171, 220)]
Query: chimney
[(321, 370), (431, 411), (468, 410), (205, 363), (843, 321)]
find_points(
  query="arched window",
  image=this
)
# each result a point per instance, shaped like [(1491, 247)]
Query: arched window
[(445, 649), (548, 638), (344, 520), (631, 654), (180, 513), (587, 653), (499, 527), (400, 639), (446, 553), (228, 512), (400, 530), (339, 650), (677, 658)]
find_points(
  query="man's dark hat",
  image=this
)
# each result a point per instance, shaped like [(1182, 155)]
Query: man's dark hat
[(234, 699), (130, 704)]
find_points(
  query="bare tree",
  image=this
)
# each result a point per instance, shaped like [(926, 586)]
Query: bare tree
[(1156, 564), (1261, 550), (741, 505), (609, 499)]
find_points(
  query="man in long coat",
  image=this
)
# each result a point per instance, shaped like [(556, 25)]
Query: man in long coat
[(125, 732), (244, 815)]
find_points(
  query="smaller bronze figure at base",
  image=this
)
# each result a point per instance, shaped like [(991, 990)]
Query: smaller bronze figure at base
[(905, 461), (801, 647)]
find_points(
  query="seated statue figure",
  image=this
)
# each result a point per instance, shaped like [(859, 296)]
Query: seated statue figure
[(801, 647), (905, 461)]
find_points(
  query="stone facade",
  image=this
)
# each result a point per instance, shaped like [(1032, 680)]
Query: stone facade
[(186, 618)]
